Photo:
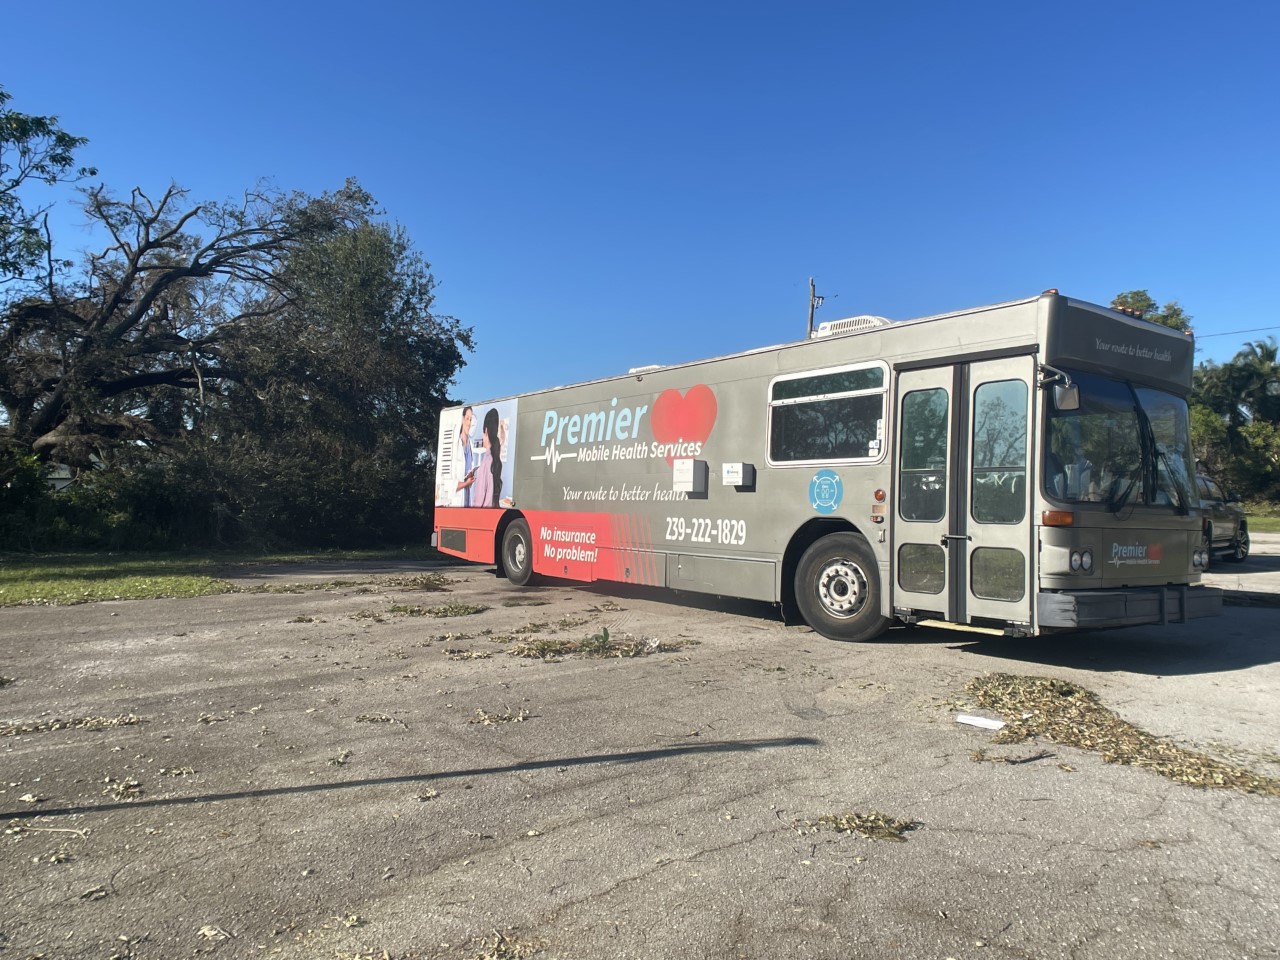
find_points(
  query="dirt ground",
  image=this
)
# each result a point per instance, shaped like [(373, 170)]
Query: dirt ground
[(332, 772)]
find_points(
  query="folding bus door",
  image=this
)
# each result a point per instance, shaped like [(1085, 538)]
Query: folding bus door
[(962, 532)]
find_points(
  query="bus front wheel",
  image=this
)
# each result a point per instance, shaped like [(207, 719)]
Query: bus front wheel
[(838, 588), (517, 553)]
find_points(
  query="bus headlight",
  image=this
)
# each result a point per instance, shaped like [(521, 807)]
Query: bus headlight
[(1077, 561), (1086, 560)]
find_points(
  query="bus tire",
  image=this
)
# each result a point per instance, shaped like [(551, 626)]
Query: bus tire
[(837, 588), (517, 553)]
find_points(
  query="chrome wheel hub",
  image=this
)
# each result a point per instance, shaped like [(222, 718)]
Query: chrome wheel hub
[(842, 589)]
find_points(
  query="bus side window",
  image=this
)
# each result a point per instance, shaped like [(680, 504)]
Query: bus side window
[(923, 455), (1000, 452)]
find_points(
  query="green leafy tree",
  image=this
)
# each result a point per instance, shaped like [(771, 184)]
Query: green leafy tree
[(1235, 418), (329, 436), (96, 366), (266, 371), (1171, 315), (32, 149)]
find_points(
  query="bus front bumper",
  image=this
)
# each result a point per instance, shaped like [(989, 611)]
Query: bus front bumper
[(1126, 607)]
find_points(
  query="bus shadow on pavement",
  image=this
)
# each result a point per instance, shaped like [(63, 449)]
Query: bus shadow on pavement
[(1202, 646)]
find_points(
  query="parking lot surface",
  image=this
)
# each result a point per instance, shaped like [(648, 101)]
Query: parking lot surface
[(318, 766)]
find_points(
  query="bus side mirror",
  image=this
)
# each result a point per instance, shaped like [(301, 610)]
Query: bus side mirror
[(1066, 396)]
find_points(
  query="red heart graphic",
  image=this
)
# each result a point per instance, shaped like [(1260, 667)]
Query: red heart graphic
[(687, 418)]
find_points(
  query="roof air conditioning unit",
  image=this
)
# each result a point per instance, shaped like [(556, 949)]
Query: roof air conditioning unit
[(829, 328)]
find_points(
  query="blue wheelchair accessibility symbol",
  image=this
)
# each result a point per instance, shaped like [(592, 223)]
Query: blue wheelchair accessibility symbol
[(825, 491)]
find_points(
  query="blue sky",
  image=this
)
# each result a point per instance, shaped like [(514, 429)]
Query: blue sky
[(602, 185)]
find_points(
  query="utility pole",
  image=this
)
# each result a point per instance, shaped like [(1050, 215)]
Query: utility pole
[(815, 301)]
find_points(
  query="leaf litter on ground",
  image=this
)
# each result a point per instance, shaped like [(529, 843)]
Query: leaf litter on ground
[(601, 644), (1068, 714), (870, 826), (15, 727)]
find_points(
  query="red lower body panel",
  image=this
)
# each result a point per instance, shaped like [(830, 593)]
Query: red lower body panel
[(574, 546)]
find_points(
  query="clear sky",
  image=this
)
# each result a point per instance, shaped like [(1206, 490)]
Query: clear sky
[(604, 185)]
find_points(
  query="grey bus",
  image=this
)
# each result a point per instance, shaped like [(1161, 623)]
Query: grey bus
[(1022, 468)]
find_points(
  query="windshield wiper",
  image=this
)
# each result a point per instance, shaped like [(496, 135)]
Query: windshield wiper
[(1117, 503), (1159, 456), (1174, 488)]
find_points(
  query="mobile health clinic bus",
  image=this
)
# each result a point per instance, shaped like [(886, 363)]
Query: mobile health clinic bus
[(1022, 468)]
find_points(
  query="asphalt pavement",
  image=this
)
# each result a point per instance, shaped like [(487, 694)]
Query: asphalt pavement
[(355, 762)]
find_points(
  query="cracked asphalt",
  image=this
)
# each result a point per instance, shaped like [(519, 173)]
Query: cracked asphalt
[(330, 774)]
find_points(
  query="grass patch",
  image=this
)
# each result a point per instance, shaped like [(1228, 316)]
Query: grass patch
[(598, 645), (1261, 524), (68, 578), (90, 583), (1073, 716), (869, 826)]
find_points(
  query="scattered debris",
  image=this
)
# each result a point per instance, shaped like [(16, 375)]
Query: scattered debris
[(95, 893), (983, 722), (504, 947), (525, 602), (1071, 715), (18, 829), (601, 644), (456, 610), (870, 826), (428, 794), (456, 654), (303, 620), (211, 932), (342, 757), (16, 727), (118, 789), (424, 581), (489, 719), (981, 756), (379, 718), (210, 718), (408, 610)]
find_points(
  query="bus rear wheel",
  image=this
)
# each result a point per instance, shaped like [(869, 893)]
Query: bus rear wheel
[(517, 553), (837, 588)]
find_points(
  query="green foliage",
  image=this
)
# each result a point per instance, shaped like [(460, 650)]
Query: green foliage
[(1236, 420), (1171, 316), (265, 373), (31, 149)]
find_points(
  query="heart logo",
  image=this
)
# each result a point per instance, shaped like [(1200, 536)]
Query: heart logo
[(688, 418)]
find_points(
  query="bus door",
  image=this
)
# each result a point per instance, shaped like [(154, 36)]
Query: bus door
[(962, 534)]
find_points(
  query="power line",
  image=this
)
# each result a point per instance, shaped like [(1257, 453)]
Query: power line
[(1232, 333)]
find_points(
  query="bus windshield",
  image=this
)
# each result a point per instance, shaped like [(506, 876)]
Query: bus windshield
[(1126, 444)]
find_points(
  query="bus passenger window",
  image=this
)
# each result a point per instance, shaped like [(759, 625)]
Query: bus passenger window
[(999, 470), (923, 455)]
